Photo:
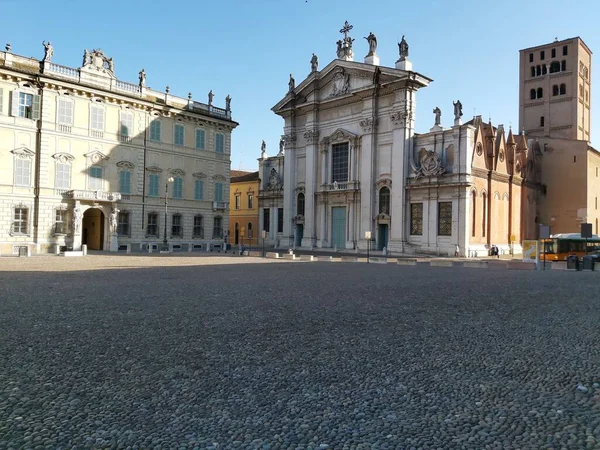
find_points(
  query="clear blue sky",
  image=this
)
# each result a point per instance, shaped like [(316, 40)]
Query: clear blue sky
[(247, 49)]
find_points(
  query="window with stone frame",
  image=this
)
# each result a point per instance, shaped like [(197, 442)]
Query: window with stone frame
[(445, 219), (300, 204), (95, 178), (250, 201), (124, 224), (177, 187), (266, 219), (200, 137), (416, 219), (20, 223), (22, 171), (198, 190), (153, 184), (177, 225), (339, 162), (249, 231), (126, 124), (60, 221), (64, 111), (26, 105), (155, 130), (219, 143), (280, 220), (198, 231), (97, 118), (384, 200), (179, 134), (152, 224), (217, 227), (238, 201), (62, 179), (125, 182)]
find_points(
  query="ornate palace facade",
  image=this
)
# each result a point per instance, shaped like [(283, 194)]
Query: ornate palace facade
[(88, 159)]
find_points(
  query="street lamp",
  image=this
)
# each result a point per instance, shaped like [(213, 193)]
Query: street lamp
[(165, 243)]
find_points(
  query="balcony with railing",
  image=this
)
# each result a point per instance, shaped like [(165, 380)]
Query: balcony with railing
[(97, 134), (63, 128), (125, 139), (61, 71), (220, 206), (341, 186)]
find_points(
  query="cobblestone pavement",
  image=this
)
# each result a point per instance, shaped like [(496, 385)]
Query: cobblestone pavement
[(295, 356)]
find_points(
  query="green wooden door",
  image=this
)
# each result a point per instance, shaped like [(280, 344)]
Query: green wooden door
[(338, 227)]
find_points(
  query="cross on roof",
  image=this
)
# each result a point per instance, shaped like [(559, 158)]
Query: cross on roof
[(346, 29)]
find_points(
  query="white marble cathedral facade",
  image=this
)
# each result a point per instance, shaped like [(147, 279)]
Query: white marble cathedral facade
[(86, 159), (354, 165)]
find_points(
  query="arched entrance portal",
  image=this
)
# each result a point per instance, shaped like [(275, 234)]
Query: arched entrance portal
[(92, 229)]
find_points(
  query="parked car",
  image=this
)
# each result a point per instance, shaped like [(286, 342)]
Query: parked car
[(595, 254)]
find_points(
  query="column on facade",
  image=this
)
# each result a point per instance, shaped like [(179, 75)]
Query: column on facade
[(322, 242), (351, 235), (308, 239), (289, 190), (324, 151), (77, 218), (401, 152), (366, 190), (273, 226)]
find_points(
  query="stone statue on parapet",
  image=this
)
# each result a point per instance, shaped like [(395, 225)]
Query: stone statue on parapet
[(372, 40), (142, 78), (48, 51), (314, 63), (403, 48)]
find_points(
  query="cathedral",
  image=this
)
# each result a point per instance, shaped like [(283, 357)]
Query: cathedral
[(355, 174)]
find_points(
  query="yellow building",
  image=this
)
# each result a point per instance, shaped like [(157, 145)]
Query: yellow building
[(243, 209), (87, 159)]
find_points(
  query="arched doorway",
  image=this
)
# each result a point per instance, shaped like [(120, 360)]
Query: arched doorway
[(92, 229)]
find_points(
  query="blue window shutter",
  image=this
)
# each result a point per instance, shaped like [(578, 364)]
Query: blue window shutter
[(200, 139), (199, 190)]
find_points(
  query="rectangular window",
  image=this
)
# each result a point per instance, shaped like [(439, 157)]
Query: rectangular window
[(445, 219), (21, 221), (238, 201), (217, 228), (153, 181), (179, 133), (219, 143), (27, 105), (22, 172), (65, 111), (63, 176), (95, 178), (176, 225), (267, 219), (125, 182), (280, 220), (126, 124), (416, 219), (155, 126), (123, 224), (60, 221), (553, 52), (542, 55), (97, 118), (199, 190), (178, 187), (565, 50), (339, 162), (198, 227), (218, 192), (200, 139), (250, 201), (152, 226), (531, 57)]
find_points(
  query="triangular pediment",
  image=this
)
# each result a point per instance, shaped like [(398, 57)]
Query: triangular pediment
[(96, 156), (340, 135), (342, 78), (23, 152)]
